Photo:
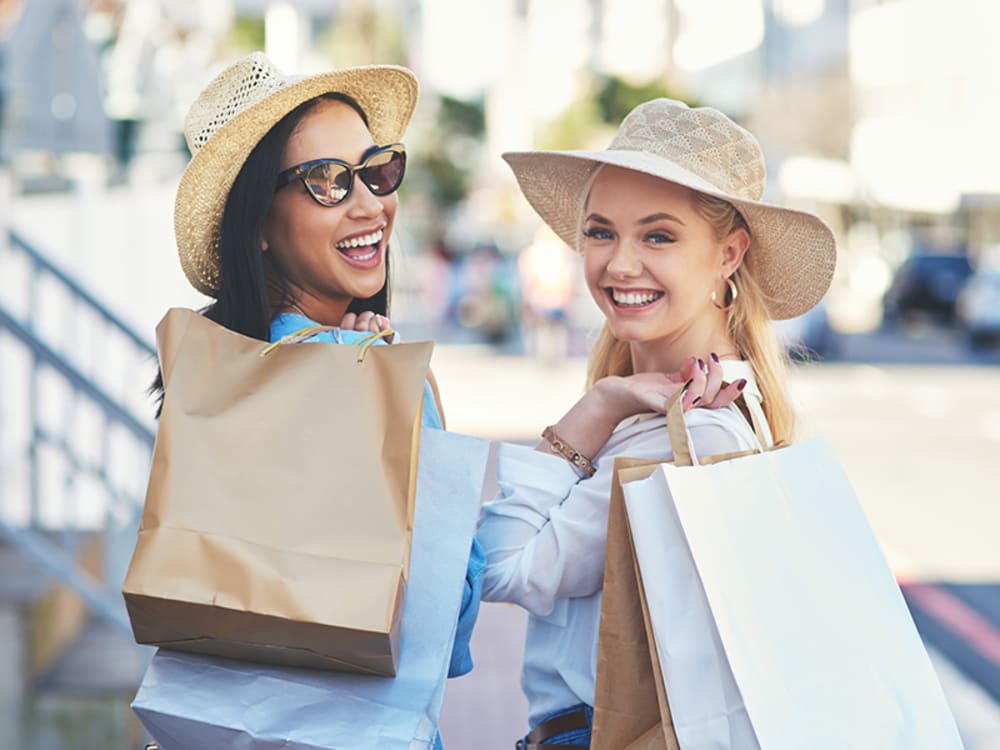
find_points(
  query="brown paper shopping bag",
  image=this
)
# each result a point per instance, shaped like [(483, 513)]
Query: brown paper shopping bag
[(631, 710), (279, 509), (631, 706)]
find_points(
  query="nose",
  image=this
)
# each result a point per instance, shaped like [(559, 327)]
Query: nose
[(624, 262), (363, 202)]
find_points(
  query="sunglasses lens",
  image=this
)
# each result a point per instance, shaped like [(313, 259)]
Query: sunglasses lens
[(384, 172), (329, 183)]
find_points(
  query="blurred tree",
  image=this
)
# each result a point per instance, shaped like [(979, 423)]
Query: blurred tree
[(359, 34), (574, 128), (444, 160), (606, 102), (246, 35), (616, 97)]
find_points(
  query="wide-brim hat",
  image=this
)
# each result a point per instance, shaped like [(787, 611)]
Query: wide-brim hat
[(794, 252), (236, 110)]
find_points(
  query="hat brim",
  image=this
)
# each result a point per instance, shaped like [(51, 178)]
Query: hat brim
[(795, 252), (386, 93)]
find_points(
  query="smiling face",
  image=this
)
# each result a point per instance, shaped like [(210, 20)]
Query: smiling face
[(329, 254), (651, 262)]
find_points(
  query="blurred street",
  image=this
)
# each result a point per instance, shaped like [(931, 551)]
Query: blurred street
[(919, 442), (873, 115), (913, 412)]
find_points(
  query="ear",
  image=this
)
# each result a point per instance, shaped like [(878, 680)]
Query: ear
[(733, 250), (264, 247)]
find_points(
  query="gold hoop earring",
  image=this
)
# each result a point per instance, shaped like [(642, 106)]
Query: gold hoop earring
[(733, 294)]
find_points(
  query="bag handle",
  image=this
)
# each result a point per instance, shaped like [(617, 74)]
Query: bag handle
[(680, 438), (304, 334)]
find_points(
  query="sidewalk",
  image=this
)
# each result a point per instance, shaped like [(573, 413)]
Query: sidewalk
[(512, 398)]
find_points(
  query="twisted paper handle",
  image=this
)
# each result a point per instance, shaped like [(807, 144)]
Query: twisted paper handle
[(303, 334)]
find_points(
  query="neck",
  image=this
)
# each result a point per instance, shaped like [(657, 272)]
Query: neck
[(670, 354), (326, 312)]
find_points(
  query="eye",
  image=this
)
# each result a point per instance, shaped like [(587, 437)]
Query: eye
[(597, 233), (659, 238)]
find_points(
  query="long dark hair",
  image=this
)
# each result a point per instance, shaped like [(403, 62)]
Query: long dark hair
[(245, 301)]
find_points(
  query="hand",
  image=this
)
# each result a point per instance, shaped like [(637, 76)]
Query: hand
[(366, 321), (707, 388), (649, 391), (589, 423)]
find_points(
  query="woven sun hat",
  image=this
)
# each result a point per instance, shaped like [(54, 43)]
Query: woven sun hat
[(235, 111), (699, 147)]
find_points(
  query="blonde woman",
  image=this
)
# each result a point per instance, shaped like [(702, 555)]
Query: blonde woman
[(688, 266)]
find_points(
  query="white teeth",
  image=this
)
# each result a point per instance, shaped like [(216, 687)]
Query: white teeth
[(634, 298), (367, 239)]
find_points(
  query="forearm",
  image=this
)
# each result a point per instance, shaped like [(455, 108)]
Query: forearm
[(591, 420)]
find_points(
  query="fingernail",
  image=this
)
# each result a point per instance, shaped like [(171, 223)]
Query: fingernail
[(741, 384), (701, 365), (715, 357), (696, 401), (685, 386)]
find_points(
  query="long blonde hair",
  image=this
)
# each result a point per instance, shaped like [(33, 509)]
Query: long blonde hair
[(747, 321)]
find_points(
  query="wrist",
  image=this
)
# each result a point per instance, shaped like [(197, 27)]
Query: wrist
[(608, 402), (582, 463)]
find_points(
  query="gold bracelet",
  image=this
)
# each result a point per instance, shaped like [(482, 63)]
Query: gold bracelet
[(568, 452)]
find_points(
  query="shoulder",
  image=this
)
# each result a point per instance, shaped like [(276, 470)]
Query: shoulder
[(712, 431)]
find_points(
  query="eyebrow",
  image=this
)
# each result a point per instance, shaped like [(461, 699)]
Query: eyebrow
[(659, 217), (598, 219)]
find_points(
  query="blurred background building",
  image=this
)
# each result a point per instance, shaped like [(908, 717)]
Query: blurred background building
[(876, 114)]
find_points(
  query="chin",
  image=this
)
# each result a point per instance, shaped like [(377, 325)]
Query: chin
[(635, 334)]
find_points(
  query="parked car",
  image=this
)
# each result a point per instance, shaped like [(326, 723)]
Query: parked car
[(978, 307), (927, 284)]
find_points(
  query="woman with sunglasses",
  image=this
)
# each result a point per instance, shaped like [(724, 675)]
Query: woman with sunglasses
[(285, 212)]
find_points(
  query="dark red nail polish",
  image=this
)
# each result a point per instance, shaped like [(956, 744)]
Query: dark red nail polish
[(696, 401), (741, 384), (715, 357), (701, 365)]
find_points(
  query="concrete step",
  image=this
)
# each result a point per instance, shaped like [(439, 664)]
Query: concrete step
[(21, 581), (100, 659)]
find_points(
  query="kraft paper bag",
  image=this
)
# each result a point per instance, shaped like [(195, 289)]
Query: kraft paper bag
[(631, 709), (279, 509), (195, 702), (775, 619)]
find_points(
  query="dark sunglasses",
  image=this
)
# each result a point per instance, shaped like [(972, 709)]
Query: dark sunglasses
[(329, 181)]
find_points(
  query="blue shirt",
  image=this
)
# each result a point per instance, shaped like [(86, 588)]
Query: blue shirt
[(284, 324)]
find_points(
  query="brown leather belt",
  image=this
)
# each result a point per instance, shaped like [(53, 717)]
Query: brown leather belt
[(536, 739)]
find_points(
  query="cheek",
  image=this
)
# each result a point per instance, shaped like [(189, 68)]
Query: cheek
[(593, 267), (389, 205)]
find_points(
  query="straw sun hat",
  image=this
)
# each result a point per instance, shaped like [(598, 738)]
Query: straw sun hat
[(235, 111), (794, 252)]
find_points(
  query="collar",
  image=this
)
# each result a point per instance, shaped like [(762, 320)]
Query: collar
[(285, 323)]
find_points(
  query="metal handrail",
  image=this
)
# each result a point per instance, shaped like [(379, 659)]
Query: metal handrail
[(118, 420), (80, 383), (79, 292)]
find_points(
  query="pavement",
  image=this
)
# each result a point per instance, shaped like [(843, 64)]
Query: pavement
[(919, 442)]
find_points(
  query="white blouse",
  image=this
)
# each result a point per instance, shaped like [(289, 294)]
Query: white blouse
[(545, 533)]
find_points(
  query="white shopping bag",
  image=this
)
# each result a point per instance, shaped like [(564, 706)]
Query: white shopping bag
[(776, 619), (193, 702)]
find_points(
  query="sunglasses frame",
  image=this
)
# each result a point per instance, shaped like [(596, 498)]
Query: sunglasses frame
[(299, 172)]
